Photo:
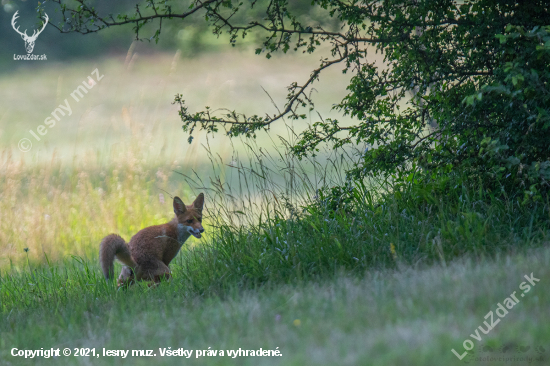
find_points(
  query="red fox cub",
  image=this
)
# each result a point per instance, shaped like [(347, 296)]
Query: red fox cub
[(149, 252)]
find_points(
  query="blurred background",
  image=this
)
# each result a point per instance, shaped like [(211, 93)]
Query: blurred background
[(111, 164)]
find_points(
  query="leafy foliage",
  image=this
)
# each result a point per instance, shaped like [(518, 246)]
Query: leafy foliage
[(515, 149), (464, 84)]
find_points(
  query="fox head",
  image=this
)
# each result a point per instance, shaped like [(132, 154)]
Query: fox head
[(190, 216)]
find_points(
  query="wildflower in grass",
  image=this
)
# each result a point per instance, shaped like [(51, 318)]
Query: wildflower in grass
[(393, 252), (297, 322)]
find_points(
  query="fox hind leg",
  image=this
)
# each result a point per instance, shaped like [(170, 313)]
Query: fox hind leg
[(154, 271)]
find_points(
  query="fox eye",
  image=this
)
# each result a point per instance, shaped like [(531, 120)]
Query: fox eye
[(189, 221)]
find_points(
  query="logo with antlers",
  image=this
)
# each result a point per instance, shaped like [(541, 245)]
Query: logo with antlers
[(29, 41)]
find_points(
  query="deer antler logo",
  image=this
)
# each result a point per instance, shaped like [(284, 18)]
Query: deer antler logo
[(29, 41)]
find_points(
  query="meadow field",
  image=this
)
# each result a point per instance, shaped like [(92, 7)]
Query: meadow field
[(403, 282), (123, 135)]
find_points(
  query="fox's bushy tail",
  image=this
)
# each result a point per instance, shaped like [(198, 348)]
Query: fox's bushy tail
[(113, 246)]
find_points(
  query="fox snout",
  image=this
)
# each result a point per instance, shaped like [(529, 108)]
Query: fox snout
[(196, 232)]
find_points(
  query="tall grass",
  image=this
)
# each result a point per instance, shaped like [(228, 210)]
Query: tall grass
[(279, 219), (270, 217)]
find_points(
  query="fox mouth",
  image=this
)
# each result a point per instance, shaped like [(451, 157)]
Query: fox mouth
[(195, 232)]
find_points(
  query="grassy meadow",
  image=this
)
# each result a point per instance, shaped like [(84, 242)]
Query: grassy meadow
[(118, 150), (381, 277), (412, 316)]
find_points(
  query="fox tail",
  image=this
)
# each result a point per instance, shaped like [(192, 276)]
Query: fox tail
[(114, 246)]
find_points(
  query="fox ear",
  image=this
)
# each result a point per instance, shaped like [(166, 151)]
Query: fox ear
[(179, 207), (199, 202)]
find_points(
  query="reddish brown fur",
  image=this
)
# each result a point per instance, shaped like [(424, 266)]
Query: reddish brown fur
[(151, 250)]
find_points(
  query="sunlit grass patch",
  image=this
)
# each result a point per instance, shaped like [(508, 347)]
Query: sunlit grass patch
[(56, 211)]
